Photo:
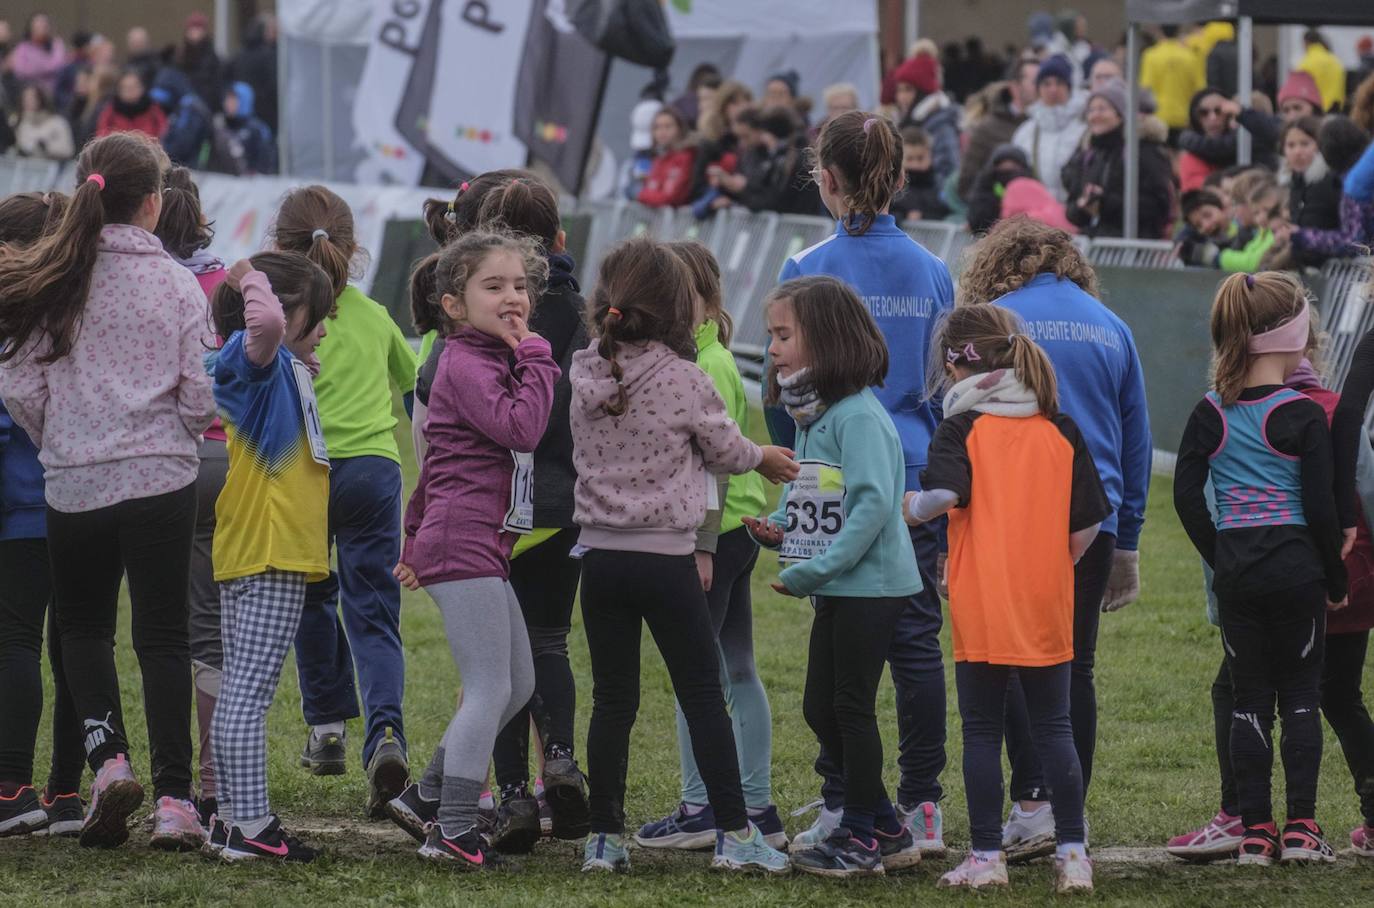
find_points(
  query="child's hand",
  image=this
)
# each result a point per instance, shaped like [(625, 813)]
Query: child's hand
[(706, 569), (1337, 606), (518, 331), (406, 575), (1347, 541), (942, 576), (911, 519), (777, 464), (237, 273), (782, 588), (764, 530)]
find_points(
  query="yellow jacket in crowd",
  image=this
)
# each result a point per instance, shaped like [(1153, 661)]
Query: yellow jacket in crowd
[(1327, 71), (1174, 73)]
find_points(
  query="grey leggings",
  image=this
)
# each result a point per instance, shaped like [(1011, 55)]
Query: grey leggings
[(486, 633)]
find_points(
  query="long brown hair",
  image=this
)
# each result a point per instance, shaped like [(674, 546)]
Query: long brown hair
[(43, 286), (998, 341), (864, 151), (1014, 252), (315, 222), (26, 216), (714, 123), (295, 280), (446, 219), (704, 271), (847, 352), (1246, 305), (182, 226), (650, 290)]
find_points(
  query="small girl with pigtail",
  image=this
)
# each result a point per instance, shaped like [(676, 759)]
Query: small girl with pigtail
[(1005, 459)]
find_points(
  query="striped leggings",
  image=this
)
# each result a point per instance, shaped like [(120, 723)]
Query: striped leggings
[(258, 620)]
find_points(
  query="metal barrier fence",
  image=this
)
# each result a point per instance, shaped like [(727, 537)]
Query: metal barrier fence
[(752, 248)]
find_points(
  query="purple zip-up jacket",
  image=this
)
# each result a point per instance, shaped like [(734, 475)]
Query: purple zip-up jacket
[(480, 410)]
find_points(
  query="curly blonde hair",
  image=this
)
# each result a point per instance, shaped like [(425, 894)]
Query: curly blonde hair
[(1013, 252)]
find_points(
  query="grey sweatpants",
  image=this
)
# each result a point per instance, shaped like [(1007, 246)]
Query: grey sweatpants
[(486, 633)]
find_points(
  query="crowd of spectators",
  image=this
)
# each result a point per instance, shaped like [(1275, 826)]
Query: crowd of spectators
[(1040, 130), (209, 113)]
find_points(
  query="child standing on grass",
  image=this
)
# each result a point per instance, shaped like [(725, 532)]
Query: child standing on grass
[(354, 618), (840, 526), (105, 330), (25, 597), (1275, 548), (725, 556), (649, 429), (473, 497), (905, 288), (270, 524), (186, 236), (1005, 460)]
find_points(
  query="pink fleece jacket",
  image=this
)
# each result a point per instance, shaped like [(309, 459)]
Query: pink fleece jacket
[(642, 477), (120, 416)]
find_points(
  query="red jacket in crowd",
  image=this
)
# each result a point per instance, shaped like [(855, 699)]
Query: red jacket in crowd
[(669, 182), (151, 121)]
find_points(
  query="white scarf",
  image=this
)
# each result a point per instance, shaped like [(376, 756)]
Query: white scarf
[(996, 393)]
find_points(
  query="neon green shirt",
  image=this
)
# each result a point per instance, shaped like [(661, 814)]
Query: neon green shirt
[(363, 346), (745, 495)]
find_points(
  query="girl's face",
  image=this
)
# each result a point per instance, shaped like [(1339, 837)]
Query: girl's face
[(130, 88), (1102, 117), (1266, 209), (905, 96), (1209, 220), (1104, 71), (665, 132), (706, 96), (777, 94), (494, 292), (40, 28), (303, 347), (785, 346), (734, 109), (1299, 149), (1296, 108), (916, 157)]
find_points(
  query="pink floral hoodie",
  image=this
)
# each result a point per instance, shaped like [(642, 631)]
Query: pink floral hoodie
[(642, 477), (119, 418)]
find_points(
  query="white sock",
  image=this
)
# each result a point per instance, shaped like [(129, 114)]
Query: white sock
[(1070, 848), (993, 855), (486, 801), (328, 728), (253, 828), (692, 810)]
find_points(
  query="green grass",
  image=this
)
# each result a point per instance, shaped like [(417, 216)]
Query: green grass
[(1155, 776)]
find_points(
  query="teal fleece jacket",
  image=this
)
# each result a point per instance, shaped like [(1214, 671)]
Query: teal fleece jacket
[(871, 556)]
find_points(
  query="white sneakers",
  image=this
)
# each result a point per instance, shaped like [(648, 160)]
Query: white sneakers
[(1028, 835), (977, 872)]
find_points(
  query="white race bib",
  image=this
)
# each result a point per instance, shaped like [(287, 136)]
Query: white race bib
[(520, 516), (815, 511), (712, 493), (310, 412)]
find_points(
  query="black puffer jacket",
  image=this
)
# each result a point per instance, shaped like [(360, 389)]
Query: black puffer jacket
[(1103, 163), (1314, 198), (559, 319)]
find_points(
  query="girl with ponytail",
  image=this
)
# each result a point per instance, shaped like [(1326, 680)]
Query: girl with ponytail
[(649, 430), (858, 158), (1011, 592), (1275, 546), (103, 340), (354, 617)]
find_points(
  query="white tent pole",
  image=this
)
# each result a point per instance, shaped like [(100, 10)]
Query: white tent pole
[(283, 143), (1132, 177), (222, 28), (327, 108), (913, 24), (1245, 38)]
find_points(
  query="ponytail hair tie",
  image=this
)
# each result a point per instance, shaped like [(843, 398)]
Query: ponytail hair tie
[(319, 234), (868, 124), (612, 311), (1011, 338), (1249, 282), (462, 189), (98, 180)]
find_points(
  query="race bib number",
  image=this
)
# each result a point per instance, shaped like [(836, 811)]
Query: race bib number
[(310, 412), (520, 516), (815, 511)]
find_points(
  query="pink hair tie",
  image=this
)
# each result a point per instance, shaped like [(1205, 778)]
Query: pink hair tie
[(98, 180), (463, 188), (868, 124), (1290, 337)]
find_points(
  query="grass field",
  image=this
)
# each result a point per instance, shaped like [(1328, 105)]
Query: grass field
[(1155, 777)]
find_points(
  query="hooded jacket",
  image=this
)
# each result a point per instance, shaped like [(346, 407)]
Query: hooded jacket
[(939, 116), (1049, 138), (243, 142), (1314, 197), (642, 477), (190, 126), (985, 197)]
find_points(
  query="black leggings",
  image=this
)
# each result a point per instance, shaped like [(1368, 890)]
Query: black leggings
[(1275, 645), (1342, 704), (622, 591), (25, 591), (149, 540), (545, 581), (850, 638)]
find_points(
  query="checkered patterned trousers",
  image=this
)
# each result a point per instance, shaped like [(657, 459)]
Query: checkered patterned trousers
[(258, 620)]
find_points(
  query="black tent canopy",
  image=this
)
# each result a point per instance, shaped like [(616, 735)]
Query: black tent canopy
[(1246, 13)]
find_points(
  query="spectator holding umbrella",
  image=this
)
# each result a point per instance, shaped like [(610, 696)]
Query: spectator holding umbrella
[(1054, 126), (196, 57), (40, 56), (131, 109)]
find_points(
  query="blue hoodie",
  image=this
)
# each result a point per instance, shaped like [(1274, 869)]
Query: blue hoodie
[(22, 508), (1101, 387), (906, 288)]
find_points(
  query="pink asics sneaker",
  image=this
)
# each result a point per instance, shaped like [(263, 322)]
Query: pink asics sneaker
[(1362, 841), (1220, 838), (114, 795), (176, 826)]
